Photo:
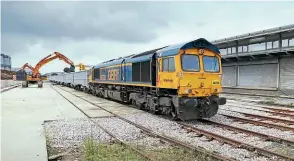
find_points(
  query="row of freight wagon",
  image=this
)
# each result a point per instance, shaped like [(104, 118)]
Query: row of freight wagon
[(77, 80)]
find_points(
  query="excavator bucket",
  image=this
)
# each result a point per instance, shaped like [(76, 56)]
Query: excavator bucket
[(68, 70)]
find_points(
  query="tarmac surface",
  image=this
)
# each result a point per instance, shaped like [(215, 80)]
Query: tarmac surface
[(24, 111)]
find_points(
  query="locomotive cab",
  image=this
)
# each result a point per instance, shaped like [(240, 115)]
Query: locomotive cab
[(195, 74)]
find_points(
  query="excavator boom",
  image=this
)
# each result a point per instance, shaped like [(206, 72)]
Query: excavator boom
[(49, 58)]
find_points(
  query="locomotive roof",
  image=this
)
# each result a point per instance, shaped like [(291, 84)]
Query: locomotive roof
[(199, 43), (162, 52)]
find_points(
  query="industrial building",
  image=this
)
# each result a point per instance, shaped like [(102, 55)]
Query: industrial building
[(5, 62), (260, 62)]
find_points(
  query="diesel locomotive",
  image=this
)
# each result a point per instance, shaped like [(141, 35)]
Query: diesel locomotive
[(183, 81)]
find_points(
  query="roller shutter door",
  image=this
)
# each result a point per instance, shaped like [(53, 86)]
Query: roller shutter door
[(263, 76), (287, 73), (229, 76)]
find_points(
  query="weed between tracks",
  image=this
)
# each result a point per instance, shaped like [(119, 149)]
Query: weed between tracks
[(115, 152), (104, 152)]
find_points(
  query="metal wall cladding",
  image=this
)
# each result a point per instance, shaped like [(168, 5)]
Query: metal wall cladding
[(262, 75), (287, 74), (69, 78), (229, 76), (81, 78), (59, 78)]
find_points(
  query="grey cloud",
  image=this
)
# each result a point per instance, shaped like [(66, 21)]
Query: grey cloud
[(127, 22)]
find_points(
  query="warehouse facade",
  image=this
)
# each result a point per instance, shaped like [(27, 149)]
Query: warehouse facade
[(261, 62)]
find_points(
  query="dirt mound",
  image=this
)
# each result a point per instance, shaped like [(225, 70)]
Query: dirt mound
[(6, 75)]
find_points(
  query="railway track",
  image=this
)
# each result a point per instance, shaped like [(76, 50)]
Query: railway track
[(271, 111), (281, 108), (108, 132), (254, 133), (234, 142), (271, 125), (273, 119), (149, 132)]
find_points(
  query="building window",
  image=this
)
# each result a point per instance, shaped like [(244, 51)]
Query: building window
[(229, 50), (240, 49), (269, 45), (291, 42), (245, 49), (275, 44), (285, 43), (233, 49), (168, 64)]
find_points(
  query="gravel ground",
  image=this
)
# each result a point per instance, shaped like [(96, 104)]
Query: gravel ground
[(120, 128), (265, 130), (232, 113), (170, 128), (131, 134), (70, 133)]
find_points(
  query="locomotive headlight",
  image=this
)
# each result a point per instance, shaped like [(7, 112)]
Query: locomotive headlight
[(188, 91)]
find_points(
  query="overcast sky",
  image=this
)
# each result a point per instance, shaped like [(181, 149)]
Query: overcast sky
[(91, 32)]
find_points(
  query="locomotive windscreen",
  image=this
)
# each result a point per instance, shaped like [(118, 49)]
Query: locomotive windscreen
[(211, 64)]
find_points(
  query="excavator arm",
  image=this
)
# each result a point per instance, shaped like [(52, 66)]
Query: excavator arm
[(27, 65), (49, 58)]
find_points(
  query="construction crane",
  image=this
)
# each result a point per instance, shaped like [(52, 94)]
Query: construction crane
[(36, 76)]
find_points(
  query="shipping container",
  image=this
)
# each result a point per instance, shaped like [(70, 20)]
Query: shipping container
[(21, 75)]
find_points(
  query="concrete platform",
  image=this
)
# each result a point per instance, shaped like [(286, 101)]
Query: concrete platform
[(8, 83), (23, 112)]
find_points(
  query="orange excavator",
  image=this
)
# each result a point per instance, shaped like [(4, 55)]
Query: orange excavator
[(36, 76)]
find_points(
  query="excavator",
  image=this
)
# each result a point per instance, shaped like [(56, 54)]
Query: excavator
[(36, 76)]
